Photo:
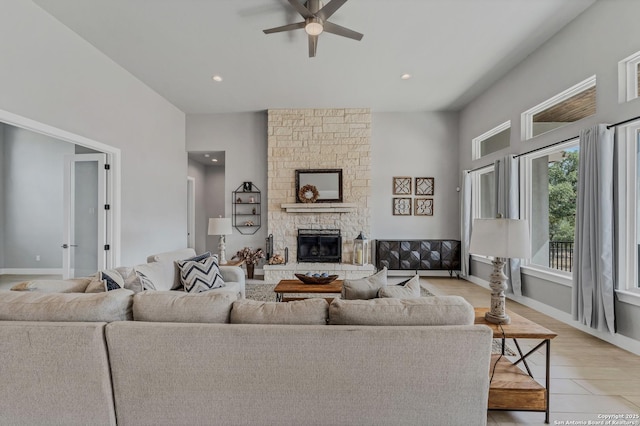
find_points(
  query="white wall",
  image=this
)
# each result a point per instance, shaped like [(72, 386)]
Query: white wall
[(59, 79), (592, 44), (216, 200), (243, 137), (198, 173), (418, 145), (2, 203)]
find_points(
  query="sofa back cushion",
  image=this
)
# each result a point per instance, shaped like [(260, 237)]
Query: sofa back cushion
[(442, 310), (72, 307), (364, 288), (301, 312), (178, 306), (170, 271)]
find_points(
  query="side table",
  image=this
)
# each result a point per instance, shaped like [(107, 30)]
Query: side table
[(511, 388)]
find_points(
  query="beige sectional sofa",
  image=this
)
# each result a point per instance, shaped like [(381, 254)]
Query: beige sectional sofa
[(209, 359)]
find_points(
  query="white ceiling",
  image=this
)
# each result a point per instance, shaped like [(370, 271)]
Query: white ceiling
[(454, 49)]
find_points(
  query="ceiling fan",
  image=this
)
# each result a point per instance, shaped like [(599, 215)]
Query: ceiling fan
[(315, 22)]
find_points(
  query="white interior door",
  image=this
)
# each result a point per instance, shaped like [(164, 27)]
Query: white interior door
[(85, 215)]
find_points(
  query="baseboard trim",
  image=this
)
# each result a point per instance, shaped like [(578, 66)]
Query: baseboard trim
[(31, 271), (623, 342)]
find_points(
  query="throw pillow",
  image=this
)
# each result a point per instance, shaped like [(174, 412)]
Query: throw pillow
[(364, 288), (200, 276), (313, 311), (409, 289), (112, 279), (155, 276)]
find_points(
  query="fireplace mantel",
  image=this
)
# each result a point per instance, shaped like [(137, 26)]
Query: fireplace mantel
[(319, 207)]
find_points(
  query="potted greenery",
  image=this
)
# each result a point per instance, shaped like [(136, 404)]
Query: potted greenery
[(250, 258)]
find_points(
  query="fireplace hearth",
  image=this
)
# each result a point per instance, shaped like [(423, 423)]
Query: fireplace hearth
[(319, 245)]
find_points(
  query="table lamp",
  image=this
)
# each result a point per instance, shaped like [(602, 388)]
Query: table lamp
[(503, 239), (220, 226)]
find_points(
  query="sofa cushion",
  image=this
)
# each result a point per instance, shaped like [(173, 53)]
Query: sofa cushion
[(199, 276), (408, 289), (299, 312), (364, 288), (437, 310), (95, 285), (171, 271), (178, 306), (74, 285), (34, 306), (153, 276)]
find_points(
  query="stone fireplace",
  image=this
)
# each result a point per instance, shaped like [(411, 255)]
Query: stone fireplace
[(319, 245), (318, 139)]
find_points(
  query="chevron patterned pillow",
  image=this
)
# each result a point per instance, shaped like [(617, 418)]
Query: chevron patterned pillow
[(199, 276)]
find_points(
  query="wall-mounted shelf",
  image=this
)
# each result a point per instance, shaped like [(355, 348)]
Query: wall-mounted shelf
[(319, 207), (246, 212)]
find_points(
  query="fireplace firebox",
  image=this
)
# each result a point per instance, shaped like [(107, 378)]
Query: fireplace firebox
[(319, 245)]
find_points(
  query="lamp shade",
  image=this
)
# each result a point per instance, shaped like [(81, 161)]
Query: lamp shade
[(219, 226), (508, 238)]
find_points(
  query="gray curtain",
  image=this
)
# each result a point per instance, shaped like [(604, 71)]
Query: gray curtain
[(465, 221), (507, 184), (593, 270)]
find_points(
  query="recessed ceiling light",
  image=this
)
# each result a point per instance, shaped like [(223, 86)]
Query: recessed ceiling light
[(215, 160), (207, 156), (405, 76), (217, 78)]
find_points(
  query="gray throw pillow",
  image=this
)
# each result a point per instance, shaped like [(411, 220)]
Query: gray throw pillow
[(364, 288), (410, 289)]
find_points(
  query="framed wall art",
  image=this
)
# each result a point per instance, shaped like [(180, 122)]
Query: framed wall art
[(402, 206), (425, 185), (423, 206), (402, 186)]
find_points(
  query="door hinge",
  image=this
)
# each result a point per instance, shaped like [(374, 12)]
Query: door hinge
[(107, 167), (107, 247), (107, 206)]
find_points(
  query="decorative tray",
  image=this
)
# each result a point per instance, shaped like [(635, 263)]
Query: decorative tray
[(316, 280)]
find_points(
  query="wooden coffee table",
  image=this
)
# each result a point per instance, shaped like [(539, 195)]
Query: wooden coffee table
[(512, 388), (298, 287)]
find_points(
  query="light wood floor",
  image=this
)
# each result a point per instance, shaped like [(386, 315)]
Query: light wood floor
[(589, 377)]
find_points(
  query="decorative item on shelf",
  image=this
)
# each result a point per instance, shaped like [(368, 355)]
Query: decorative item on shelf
[(402, 206), (249, 223), (253, 210), (252, 199), (425, 185), (503, 239), (250, 257), (316, 278), (360, 250), (220, 226), (423, 206), (402, 185), (276, 259), (238, 200), (308, 194), (247, 186)]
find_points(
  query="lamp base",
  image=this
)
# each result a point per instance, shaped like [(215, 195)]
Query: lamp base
[(498, 284), (222, 259)]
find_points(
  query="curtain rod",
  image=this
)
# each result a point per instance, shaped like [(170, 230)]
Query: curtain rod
[(620, 123), (623, 122)]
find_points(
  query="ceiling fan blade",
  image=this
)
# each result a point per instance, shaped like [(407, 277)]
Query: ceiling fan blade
[(341, 31), (289, 27), (329, 9), (300, 9), (313, 45)]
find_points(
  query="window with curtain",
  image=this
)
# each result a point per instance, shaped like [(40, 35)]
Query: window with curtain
[(483, 183), (550, 180)]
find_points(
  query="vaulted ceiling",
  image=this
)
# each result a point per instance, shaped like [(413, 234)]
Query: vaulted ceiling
[(453, 49)]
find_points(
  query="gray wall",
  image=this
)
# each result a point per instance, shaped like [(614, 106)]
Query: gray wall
[(198, 173), (423, 144), (33, 204), (243, 137), (2, 203), (59, 79), (210, 201), (572, 55)]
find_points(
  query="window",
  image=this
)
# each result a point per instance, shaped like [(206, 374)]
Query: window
[(629, 78), (484, 193), (567, 107), (629, 210), (494, 140), (549, 182)]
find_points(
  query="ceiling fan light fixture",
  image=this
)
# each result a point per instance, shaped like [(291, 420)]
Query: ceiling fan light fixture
[(313, 26)]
